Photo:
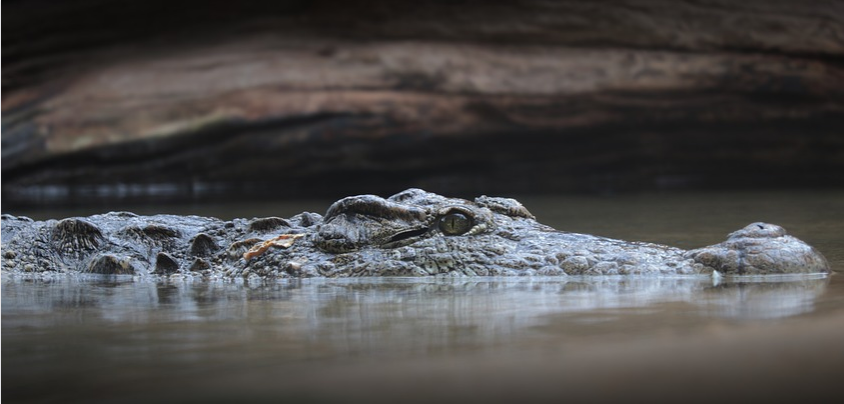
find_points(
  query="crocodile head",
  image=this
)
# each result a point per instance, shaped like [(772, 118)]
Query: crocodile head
[(418, 233), (421, 233), (410, 217)]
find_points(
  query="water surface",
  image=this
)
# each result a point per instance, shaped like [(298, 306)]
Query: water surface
[(112, 339)]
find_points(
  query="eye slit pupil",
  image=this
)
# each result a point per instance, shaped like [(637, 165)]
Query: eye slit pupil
[(455, 223)]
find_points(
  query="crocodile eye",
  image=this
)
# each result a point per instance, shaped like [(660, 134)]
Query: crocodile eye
[(455, 223)]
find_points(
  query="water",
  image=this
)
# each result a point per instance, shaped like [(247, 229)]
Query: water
[(83, 339)]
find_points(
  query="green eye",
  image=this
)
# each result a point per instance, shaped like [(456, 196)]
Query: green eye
[(455, 223)]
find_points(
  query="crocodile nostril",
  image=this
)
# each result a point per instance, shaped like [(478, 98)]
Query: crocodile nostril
[(759, 230)]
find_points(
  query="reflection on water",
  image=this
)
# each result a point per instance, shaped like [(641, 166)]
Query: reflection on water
[(79, 334), (410, 313), (763, 299)]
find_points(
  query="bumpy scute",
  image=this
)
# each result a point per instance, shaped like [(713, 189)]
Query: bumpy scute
[(267, 224), (165, 264), (198, 265), (202, 245), (109, 265), (505, 206), (75, 237)]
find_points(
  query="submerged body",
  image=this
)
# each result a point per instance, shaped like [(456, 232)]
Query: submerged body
[(412, 233)]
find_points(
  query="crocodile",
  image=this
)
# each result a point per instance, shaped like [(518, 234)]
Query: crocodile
[(412, 233)]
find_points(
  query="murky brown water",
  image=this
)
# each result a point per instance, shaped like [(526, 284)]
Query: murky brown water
[(493, 340)]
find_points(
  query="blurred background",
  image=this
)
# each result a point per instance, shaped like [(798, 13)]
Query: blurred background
[(107, 103)]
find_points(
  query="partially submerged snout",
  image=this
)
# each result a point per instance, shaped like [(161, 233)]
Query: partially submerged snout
[(761, 248)]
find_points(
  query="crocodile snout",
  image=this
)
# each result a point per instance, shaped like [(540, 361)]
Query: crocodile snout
[(761, 248)]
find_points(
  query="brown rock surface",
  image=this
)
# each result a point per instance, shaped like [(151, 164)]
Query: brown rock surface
[(191, 99)]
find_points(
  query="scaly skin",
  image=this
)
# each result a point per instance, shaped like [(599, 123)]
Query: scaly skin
[(412, 233)]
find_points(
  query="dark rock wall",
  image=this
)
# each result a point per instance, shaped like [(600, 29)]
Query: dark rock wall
[(206, 100)]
